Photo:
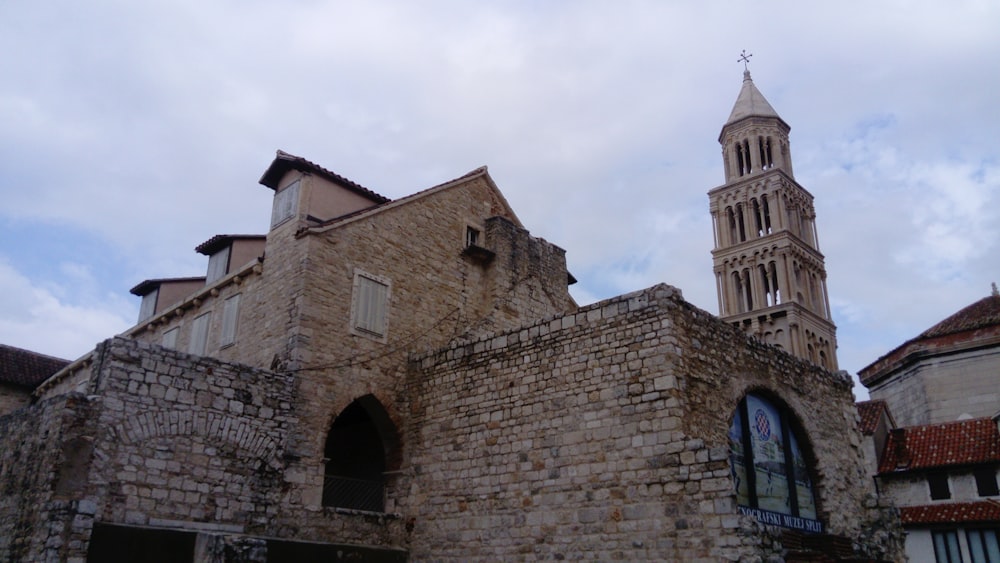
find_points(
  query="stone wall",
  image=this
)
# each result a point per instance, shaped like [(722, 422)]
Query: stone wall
[(603, 435), (169, 441), (43, 452)]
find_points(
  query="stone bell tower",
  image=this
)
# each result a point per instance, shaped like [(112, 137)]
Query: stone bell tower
[(769, 272)]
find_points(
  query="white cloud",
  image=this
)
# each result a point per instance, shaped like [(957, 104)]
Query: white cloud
[(44, 320), (147, 125)]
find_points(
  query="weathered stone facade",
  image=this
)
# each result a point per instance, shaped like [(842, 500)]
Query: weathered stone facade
[(425, 354), (603, 435), (599, 434)]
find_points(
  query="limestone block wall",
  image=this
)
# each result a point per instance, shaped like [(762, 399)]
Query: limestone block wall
[(43, 449), (165, 440), (437, 293), (602, 435)]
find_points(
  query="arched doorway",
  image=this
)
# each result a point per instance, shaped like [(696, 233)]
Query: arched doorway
[(357, 453)]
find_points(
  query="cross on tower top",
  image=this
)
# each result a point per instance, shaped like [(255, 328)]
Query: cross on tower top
[(744, 58)]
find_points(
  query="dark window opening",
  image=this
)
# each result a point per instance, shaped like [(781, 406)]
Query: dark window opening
[(123, 544), (739, 217), (986, 481), (938, 483), (767, 214), (471, 236), (756, 217), (356, 452)]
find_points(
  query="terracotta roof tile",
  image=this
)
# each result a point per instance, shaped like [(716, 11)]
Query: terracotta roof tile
[(981, 314), (25, 368), (982, 511), (939, 445), (871, 413)]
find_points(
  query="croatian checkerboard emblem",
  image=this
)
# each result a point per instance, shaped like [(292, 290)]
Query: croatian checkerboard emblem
[(763, 425)]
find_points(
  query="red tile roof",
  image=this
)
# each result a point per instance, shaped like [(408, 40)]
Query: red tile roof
[(964, 442), (871, 413), (982, 511), (981, 314), (24, 368)]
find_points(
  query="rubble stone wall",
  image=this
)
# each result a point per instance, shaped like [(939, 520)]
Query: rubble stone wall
[(603, 435)]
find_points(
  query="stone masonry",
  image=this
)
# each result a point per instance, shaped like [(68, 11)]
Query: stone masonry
[(602, 435)]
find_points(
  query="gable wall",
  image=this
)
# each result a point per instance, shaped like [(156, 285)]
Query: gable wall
[(437, 294)]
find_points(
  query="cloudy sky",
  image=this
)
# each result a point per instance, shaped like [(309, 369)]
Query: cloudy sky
[(130, 132)]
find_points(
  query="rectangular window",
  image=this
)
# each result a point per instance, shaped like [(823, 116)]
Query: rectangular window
[(986, 481), (369, 311), (148, 306), (471, 236), (946, 548), (170, 338), (938, 483), (983, 546), (230, 316), (218, 265), (285, 204), (199, 334)]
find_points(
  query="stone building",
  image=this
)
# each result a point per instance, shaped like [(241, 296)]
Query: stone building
[(769, 272), (388, 380), (932, 435)]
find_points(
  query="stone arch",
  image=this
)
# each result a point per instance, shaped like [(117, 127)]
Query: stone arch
[(362, 445)]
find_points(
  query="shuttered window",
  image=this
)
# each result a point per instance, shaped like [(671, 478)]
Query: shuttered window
[(230, 317), (170, 338), (369, 313), (199, 334), (218, 265), (285, 204)]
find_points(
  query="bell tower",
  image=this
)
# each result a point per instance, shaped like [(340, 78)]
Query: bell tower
[(769, 272)]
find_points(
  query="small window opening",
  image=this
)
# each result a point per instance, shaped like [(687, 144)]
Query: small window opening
[(765, 283), (739, 217), (756, 218), (738, 287), (986, 481), (774, 283), (471, 236), (747, 290), (767, 214), (938, 484), (746, 160), (732, 225)]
